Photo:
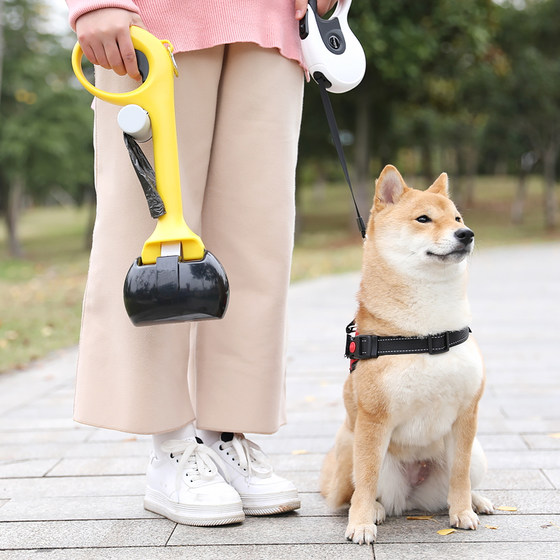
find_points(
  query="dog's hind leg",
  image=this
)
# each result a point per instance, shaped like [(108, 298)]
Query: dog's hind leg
[(336, 475)]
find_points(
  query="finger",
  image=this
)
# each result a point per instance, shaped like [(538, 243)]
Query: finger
[(89, 53), (301, 8), (128, 55), (100, 56), (113, 55)]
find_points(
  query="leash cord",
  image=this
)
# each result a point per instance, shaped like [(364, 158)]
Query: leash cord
[(323, 83)]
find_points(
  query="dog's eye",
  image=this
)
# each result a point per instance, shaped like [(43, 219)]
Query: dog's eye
[(423, 219), (458, 219)]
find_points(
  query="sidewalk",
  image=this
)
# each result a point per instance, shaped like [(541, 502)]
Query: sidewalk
[(73, 492)]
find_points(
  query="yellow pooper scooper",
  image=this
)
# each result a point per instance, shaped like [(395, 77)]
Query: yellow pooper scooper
[(176, 278)]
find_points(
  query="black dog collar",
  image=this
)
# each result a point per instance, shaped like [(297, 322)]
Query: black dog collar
[(364, 347)]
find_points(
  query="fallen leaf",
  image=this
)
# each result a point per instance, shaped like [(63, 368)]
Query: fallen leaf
[(446, 531), (491, 527), (421, 517), (12, 335), (506, 508), (300, 452)]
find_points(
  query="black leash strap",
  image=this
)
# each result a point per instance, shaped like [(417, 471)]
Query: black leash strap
[(323, 83)]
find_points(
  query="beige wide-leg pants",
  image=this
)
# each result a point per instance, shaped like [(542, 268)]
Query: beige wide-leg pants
[(238, 110)]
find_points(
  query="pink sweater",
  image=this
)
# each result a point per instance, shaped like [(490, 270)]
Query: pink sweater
[(200, 24)]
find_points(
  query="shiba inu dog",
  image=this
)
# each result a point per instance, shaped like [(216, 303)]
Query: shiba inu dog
[(408, 441)]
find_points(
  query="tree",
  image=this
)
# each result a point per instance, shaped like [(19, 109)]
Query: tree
[(417, 55), (45, 122), (528, 94)]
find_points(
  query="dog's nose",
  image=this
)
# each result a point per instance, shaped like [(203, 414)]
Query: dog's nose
[(464, 235)]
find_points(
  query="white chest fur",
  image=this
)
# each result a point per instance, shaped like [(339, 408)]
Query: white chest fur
[(428, 392)]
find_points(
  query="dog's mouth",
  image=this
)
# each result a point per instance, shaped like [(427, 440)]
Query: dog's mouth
[(453, 256)]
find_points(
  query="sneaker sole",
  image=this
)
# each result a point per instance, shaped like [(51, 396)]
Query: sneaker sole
[(199, 516), (270, 504)]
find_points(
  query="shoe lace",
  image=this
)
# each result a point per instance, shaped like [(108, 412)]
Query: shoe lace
[(249, 455), (197, 459)]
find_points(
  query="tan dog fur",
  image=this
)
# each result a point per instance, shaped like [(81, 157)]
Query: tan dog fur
[(408, 441)]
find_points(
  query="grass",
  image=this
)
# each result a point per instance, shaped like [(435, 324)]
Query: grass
[(41, 294)]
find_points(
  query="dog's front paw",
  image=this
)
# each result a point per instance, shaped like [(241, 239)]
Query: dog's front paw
[(466, 519), (482, 504), (362, 533)]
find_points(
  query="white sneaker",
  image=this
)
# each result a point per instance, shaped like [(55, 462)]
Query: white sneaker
[(185, 486), (250, 473)]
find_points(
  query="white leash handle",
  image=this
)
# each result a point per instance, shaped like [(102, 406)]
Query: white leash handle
[(330, 49)]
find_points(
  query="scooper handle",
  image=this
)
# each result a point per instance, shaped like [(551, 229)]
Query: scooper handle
[(155, 95)]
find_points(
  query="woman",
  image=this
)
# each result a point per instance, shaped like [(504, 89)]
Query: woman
[(198, 388)]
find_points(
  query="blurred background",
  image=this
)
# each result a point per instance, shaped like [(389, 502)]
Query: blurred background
[(471, 88)]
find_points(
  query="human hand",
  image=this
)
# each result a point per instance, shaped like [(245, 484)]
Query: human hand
[(104, 36), (323, 6)]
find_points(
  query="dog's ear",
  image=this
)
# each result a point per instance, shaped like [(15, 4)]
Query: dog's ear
[(441, 185), (389, 187)]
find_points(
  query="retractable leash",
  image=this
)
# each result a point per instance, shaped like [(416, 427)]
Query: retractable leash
[(337, 63)]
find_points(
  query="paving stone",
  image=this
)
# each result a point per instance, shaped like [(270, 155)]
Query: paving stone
[(305, 462), (514, 425), (130, 448), (539, 408), (306, 481), (515, 479), (294, 445), (523, 459), (554, 476), (111, 436), (314, 505), (501, 441), (543, 441), (74, 508), (26, 424), (468, 551), (302, 429), (283, 529), (34, 410), (27, 468), (510, 528), (32, 437), (78, 534), (50, 487), (22, 452), (233, 552), (106, 466), (526, 501)]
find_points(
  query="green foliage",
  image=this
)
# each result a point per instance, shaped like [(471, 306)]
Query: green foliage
[(45, 121), (420, 58)]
